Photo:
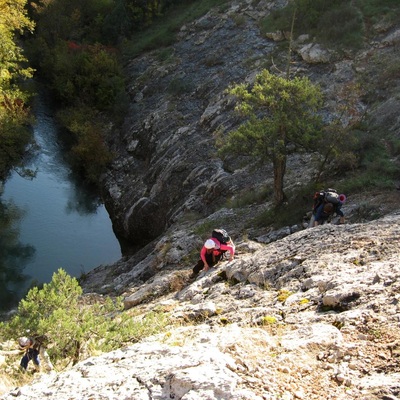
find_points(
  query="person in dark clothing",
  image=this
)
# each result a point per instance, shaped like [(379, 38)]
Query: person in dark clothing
[(326, 204), (34, 350), (31, 353)]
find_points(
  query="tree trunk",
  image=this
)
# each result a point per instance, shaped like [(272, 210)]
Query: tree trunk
[(279, 164)]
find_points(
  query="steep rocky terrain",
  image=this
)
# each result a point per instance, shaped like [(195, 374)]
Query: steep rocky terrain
[(314, 315), (299, 313)]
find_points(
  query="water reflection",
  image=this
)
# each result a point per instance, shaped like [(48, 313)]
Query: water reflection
[(14, 256), (61, 221), (82, 201)]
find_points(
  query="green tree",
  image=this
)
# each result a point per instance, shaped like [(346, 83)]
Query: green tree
[(13, 20), (282, 117), (87, 75)]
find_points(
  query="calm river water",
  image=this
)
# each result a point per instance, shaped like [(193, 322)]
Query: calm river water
[(63, 224)]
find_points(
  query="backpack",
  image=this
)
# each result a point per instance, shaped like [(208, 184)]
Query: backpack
[(221, 235), (331, 196)]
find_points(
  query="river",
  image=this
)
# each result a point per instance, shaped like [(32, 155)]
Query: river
[(61, 224)]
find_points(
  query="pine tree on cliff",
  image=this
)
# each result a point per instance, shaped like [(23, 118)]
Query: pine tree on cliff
[(281, 117)]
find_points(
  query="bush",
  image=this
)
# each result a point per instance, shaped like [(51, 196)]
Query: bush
[(348, 33), (299, 202), (374, 10), (320, 18), (381, 76), (250, 196)]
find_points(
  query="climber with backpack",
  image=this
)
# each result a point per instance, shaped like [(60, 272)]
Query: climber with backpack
[(326, 204), (35, 350), (213, 251)]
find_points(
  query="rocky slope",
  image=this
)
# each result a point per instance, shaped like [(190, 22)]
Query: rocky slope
[(315, 315)]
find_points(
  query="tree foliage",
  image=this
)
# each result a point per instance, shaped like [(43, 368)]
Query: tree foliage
[(281, 117), (128, 16), (14, 115), (83, 74), (338, 146), (13, 20), (88, 75)]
